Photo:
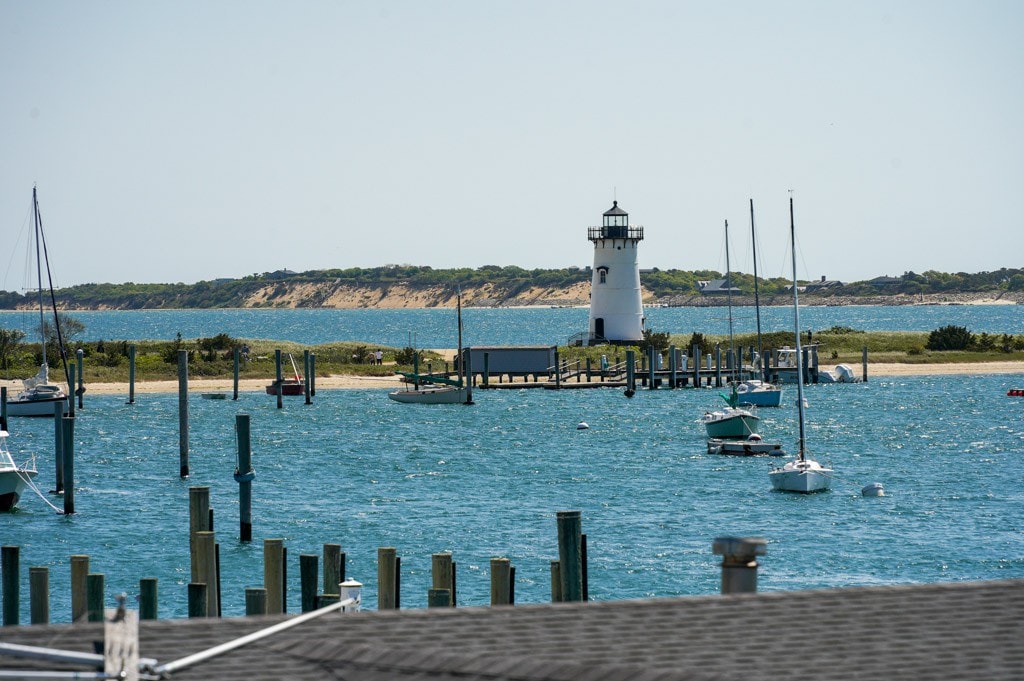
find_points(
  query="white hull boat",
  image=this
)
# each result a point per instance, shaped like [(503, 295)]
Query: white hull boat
[(801, 475), (38, 397), (13, 478)]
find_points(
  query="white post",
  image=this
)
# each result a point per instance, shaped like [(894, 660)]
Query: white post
[(350, 588)]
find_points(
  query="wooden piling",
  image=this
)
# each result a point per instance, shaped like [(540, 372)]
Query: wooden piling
[(673, 367), (864, 362), (244, 475), (312, 374), (308, 576), (131, 374), (198, 521), (79, 588), (148, 598), (442, 571), (439, 598), (94, 597), (630, 373), (273, 575), (487, 369), (3, 408), (183, 413), (198, 599), (558, 370), (68, 451), (79, 354), (279, 378), (570, 555), (10, 573), (334, 568), (206, 554), (39, 594), (501, 581), (235, 357), (71, 389), (255, 601), (305, 377), (58, 446), (387, 578), (556, 582)]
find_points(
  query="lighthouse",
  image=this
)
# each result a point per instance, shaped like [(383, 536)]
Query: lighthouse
[(616, 310)]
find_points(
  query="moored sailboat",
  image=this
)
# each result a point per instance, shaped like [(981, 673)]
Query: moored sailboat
[(802, 474), (13, 478), (429, 389)]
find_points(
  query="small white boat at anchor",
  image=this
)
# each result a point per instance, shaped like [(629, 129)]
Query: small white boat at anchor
[(430, 389), (13, 478)]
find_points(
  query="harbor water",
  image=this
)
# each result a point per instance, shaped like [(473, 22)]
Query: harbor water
[(484, 481)]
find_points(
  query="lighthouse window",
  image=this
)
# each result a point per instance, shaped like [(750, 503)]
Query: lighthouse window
[(604, 276)]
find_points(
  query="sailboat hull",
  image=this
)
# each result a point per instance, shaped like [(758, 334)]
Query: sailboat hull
[(758, 394), (36, 406), (803, 477), (731, 423)]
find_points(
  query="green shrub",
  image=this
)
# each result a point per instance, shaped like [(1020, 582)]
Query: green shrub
[(950, 338)]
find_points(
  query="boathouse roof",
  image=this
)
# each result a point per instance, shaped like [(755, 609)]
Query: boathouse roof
[(963, 630)]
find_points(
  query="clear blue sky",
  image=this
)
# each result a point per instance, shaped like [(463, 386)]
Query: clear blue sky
[(183, 141)]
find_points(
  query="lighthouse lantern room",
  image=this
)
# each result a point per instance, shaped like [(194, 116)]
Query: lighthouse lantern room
[(616, 308)]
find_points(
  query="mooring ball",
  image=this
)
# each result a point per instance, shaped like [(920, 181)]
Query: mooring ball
[(875, 489), (582, 425)]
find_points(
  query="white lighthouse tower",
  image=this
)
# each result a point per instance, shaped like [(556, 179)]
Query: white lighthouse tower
[(616, 309)]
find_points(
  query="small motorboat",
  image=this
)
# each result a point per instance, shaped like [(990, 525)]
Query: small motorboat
[(13, 478)]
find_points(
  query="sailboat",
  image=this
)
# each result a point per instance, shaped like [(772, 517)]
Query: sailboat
[(732, 421), (429, 389), (756, 391), (13, 478), (293, 385), (39, 396), (802, 474)]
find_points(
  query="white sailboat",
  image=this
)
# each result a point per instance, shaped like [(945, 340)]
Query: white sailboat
[(428, 389), (13, 478), (755, 391), (732, 421), (802, 474), (39, 396)]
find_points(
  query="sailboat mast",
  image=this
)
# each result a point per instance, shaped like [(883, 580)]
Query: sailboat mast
[(39, 270), (728, 288), (796, 325), (757, 299)]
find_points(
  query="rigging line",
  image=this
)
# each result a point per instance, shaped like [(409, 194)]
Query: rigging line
[(53, 302)]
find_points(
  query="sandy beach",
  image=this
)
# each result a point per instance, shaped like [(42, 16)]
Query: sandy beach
[(392, 382)]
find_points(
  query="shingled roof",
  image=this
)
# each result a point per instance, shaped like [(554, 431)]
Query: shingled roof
[(966, 630)]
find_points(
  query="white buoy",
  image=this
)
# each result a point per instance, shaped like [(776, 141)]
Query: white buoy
[(582, 425), (874, 489)]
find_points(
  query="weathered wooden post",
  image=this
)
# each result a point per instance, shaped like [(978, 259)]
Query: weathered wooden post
[(864, 362), (279, 378), (198, 605), (68, 450), (131, 374), (273, 575), (79, 587), (439, 598), (558, 370), (148, 598), (442, 571), (244, 475), (739, 562), (334, 568), (695, 353), (10, 573), (3, 408), (308, 576), (387, 579), (570, 555), (183, 413), (312, 374), (39, 595), (255, 601), (501, 581), (58, 445), (469, 376), (556, 582), (79, 354), (207, 570), (487, 369), (306, 378), (235, 356), (71, 390), (198, 521), (94, 597), (650, 369), (718, 365), (630, 373)]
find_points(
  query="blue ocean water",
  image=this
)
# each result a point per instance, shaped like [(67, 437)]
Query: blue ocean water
[(484, 481), (436, 328)]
